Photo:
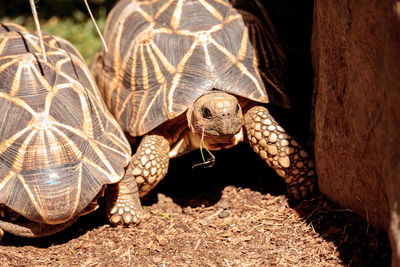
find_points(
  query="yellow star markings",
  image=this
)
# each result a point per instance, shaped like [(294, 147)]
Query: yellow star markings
[(48, 138), (176, 16), (7, 178), (3, 44), (202, 38), (156, 46), (212, 10), (163, 8)]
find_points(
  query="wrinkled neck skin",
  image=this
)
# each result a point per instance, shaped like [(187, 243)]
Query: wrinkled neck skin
[(216, 118)]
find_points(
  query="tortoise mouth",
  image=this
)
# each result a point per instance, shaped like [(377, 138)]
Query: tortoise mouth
[(217, 142), (214, 134)]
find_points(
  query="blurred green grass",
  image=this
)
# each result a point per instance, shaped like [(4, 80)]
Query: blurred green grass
[(68, 19)]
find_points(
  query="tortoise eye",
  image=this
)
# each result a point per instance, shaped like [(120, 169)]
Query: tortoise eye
[(206, 113)]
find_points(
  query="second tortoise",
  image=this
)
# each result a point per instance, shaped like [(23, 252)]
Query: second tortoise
[(60, 148)]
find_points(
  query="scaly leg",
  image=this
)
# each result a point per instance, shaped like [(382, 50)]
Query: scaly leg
[(280, 151), (147, 167), (123, 203), (150, 163)]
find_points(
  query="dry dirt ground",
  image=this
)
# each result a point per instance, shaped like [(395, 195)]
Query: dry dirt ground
[(233, 214)]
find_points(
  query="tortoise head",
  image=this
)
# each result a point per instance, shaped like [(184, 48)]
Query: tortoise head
[(218, 114)]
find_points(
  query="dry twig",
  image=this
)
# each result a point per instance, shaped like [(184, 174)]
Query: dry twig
[(95, 25), (39, 31)]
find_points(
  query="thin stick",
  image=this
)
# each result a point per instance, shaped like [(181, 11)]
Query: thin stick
[(36, 19), (201, 146), (95, 24), (212, 160)]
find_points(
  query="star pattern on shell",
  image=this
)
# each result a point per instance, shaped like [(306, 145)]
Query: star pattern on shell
[(42, 98), (166, 60)]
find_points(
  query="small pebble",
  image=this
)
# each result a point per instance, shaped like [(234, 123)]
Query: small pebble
[(162, 240), (223, 214)]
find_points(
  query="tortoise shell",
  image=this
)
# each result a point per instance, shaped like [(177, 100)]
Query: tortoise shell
[(164, 54), (59, 145)]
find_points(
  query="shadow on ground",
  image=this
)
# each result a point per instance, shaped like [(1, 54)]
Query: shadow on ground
[(358, 243)]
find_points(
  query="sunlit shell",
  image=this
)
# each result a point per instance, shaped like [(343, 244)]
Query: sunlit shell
[(164, 54), (58, 143)]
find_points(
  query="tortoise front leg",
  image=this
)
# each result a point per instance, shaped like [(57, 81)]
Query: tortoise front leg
[(280, 151), (150, 162), (123, 203), (147, 167)]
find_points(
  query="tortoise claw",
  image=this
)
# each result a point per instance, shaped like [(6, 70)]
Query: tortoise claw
[(123, 203), (124, 212)]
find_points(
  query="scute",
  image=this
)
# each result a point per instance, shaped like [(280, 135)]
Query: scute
[(59, 145), (51, 195), (10, 27), (191, 47)]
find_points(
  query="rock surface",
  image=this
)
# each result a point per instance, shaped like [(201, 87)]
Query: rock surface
[(356, 59)]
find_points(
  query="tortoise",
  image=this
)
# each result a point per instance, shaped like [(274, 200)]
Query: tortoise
[(59, 145), (181, 71)]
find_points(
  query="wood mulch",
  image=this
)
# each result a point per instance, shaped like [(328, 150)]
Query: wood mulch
[(233, 214)]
